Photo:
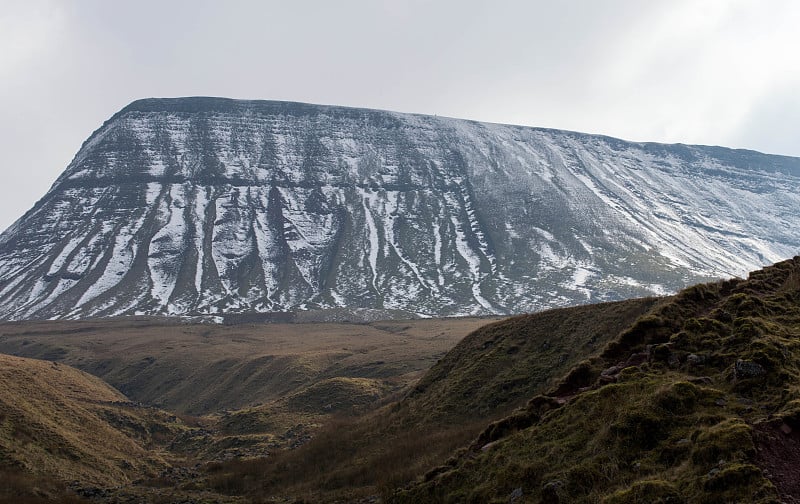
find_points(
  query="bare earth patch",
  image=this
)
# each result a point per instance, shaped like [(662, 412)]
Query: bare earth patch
[(778, 455)]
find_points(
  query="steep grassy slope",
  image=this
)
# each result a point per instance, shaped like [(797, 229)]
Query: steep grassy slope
[(62, 423), (67, 437), (500, 364), (492, 370), (699, 401)]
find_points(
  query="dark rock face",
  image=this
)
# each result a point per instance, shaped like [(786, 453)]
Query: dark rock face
[(209, 206), (744, 369)]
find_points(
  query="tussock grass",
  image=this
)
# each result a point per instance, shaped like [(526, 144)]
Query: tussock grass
[(348, 457), (501, 365), (723, 364)]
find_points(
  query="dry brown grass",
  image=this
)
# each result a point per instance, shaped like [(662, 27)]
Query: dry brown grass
[(312, 375), (57, 422), (503, 364), (348, 458), (17, 487), (492, 370), (292, 377), (674, 409), (203, 368)]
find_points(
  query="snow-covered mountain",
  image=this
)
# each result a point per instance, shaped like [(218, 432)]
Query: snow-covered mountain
[(207, 206)]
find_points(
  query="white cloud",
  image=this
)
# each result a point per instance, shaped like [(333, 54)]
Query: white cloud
[(27, 30), (692, 71)]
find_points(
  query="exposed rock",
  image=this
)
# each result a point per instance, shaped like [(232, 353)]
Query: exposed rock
[(744, 369), (551, 490), (701, 380), (613, 370), (637, 359), (695, 360), (489, 446)]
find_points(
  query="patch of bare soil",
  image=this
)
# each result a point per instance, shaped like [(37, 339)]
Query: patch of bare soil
[(778, 455)]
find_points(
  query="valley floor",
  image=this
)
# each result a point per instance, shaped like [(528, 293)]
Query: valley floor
[(195, 395)]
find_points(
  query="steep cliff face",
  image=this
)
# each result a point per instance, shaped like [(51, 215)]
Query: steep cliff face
[(205, 206)]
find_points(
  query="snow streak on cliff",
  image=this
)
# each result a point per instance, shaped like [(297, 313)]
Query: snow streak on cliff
[(207, 206)]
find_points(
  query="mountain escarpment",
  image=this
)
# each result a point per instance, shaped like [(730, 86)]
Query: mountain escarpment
[(206, 206)]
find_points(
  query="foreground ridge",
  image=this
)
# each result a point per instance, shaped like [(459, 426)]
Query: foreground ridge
[(696, 402)]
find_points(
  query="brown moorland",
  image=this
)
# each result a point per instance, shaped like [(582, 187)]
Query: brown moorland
[(198, 369), (490, 372), (692, 398), (248, 390), (59, 424)]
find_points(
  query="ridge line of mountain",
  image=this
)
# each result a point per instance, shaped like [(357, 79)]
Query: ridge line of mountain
[(179, 104)]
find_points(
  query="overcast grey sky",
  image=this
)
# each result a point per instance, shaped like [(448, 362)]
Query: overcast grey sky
[(691, 71)]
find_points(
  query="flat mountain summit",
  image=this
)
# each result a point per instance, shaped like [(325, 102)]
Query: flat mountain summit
[(204, 206)]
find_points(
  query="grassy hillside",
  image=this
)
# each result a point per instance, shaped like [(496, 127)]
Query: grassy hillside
[(207, 368), (699, 401), (61, 424), (267, 387), (486, 375), (66, 436), (501, 364)]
